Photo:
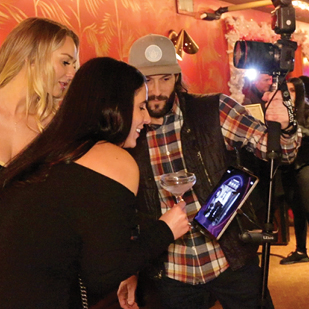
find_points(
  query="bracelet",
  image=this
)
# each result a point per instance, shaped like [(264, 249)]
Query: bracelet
[(291, 129)]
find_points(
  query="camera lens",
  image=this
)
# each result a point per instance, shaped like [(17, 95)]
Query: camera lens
[(264, 57)]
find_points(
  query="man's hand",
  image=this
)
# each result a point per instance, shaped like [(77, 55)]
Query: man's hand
[(276, 110), (126, 293)]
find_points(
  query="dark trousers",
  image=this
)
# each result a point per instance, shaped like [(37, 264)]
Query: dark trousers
[(296, 188), (301, 208), (240, 289)]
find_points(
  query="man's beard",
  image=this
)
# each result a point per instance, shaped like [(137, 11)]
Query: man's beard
[(159, 113)]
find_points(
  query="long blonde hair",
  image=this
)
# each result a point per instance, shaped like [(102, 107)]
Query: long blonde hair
[(32, 42)]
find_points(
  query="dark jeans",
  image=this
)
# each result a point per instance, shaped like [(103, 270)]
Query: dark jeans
[(301, 209), (240, 289), (296, 188)]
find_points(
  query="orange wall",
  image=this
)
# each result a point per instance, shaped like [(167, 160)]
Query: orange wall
[(109, 27)]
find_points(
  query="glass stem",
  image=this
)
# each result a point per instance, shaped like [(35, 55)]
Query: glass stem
[(179, 199)]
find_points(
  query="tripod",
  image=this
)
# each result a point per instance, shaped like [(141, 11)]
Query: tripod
[(264, 234), (274, 149)]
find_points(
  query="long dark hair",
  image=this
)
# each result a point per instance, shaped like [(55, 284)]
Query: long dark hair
[(180, 85), (305, 80), (97, 107), (299, 99)]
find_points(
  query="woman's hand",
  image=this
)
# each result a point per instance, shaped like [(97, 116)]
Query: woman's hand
[(126, 293), (177, 220)]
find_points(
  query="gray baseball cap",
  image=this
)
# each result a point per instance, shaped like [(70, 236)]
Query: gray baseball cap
[(154, 54)]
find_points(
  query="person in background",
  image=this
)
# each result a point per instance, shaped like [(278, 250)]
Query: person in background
[(305, 80), (68, 199), (197, 133), (295, 177), (257, 89), (37, 63)]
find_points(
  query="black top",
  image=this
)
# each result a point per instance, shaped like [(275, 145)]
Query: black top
[(76, 221)]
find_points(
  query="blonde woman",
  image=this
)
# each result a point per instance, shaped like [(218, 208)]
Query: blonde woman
[(37, 63)]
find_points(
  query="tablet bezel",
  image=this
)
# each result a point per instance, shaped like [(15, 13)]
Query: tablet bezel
[(215, 230)]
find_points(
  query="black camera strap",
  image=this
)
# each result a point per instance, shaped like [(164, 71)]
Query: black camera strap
[(287, 102), (292, 127)]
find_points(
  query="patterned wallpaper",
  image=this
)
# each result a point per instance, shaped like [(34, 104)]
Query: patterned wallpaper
[(109, 27)]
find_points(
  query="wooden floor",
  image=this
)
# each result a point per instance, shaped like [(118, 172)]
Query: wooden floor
[(288, 284)]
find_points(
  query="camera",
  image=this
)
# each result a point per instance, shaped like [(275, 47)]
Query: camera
[(273, 59)]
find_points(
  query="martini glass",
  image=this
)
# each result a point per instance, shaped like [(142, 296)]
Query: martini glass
[(177, 183)]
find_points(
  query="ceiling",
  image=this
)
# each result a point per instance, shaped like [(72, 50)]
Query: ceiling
[(301, 15)]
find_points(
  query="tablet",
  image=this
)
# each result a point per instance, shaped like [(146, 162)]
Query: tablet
[(221, 206)]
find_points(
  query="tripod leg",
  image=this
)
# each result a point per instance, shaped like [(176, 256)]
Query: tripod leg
[(265, 270), (266, 246)]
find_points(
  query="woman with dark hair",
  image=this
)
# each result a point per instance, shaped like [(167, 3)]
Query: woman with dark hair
[(298, 94), (67, 201), (295, 177), (305, 80)]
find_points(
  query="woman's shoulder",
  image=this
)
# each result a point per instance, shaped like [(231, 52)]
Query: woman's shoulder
[(114, 162)]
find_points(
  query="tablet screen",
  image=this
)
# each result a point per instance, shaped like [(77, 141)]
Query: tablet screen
[(231, 192)]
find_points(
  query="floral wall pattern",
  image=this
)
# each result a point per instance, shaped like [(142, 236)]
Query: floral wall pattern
[(109, 27)]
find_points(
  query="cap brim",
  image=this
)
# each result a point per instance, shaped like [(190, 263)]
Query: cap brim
[(158, 70)]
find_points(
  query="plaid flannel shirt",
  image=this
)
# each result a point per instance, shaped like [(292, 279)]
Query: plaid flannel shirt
[(194, 258)]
